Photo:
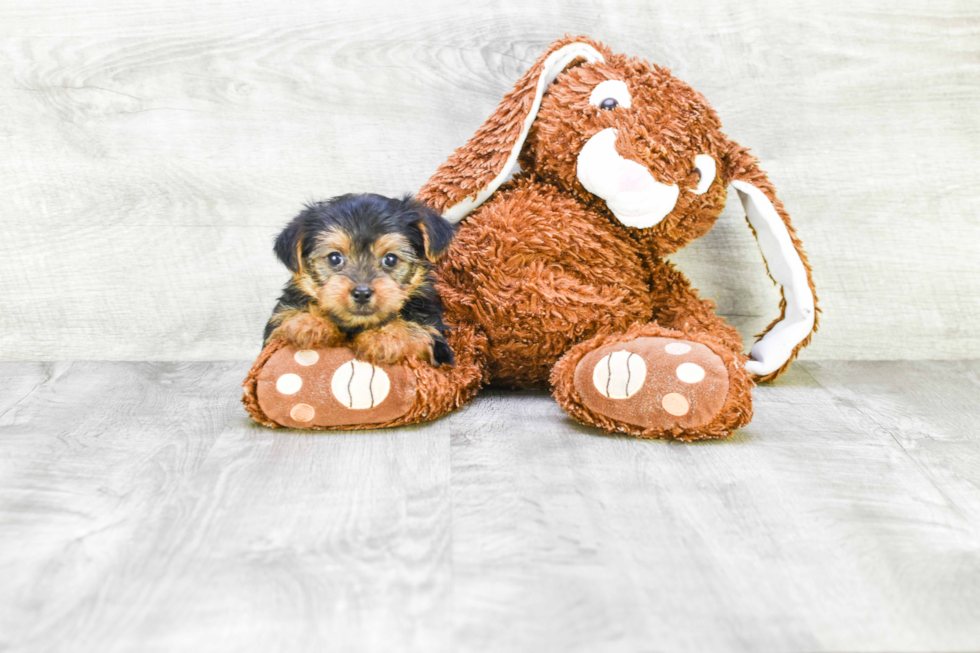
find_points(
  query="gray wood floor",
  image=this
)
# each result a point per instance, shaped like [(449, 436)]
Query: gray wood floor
[(141, 510)]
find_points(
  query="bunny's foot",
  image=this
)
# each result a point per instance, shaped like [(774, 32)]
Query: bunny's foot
[(656, 383), (329, 389), (322, 388)]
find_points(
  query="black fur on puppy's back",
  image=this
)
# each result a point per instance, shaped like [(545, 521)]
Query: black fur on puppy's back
[(425, 308)]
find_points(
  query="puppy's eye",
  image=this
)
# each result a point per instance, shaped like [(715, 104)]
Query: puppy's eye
[(609, 103), (335, 259), (389, 261)]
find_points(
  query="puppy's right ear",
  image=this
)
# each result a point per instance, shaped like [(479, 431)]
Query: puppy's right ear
[(289, 245)]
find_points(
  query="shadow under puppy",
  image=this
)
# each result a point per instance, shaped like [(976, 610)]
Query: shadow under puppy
[(362, 278)]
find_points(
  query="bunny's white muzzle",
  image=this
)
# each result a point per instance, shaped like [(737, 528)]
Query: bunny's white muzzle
[(630, 191)]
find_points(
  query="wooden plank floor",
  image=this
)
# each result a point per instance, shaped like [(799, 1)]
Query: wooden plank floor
[(141, 510)]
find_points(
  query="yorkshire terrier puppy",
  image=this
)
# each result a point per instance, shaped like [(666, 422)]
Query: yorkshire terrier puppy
[(362, 278)]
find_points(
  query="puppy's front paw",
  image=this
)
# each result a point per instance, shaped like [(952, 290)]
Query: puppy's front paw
[(308, 331), (397, 341)]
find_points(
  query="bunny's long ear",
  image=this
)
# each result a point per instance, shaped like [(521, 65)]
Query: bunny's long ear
[(473, 172), (787, 264)]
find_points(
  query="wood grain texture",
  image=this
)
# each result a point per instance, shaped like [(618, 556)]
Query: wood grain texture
[(141, 510), (151, 151)]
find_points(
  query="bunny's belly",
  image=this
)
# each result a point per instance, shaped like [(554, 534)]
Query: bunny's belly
[(538, 273)]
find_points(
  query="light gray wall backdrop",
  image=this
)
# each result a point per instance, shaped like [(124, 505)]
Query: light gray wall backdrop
[(150, 151)]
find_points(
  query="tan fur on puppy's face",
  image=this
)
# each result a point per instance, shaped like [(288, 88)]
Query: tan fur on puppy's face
[(387, 265)]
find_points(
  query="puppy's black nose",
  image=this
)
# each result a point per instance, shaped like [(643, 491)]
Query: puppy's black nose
[(362, 294)]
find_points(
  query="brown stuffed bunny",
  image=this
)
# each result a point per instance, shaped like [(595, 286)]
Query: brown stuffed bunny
[(591, 171)]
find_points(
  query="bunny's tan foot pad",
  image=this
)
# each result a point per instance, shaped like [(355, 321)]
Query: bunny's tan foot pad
[(329, 388), (663, 384)]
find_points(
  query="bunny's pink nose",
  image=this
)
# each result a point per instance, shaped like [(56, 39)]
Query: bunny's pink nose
[(634, 178)]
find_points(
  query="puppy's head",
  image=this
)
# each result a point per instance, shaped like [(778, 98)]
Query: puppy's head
[(362, 256)]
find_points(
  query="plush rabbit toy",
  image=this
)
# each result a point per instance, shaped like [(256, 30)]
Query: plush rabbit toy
[(590, 172)]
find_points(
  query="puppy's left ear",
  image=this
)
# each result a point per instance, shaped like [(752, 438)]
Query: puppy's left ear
[(437, 232)]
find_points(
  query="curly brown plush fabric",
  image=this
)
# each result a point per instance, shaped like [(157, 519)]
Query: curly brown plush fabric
[(549, 284)]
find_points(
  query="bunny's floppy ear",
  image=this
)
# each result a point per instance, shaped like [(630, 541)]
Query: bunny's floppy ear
[(787, 264), (473, 172)]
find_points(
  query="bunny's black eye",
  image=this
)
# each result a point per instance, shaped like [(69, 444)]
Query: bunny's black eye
[(389, 261), (609, 103), (335, 259)]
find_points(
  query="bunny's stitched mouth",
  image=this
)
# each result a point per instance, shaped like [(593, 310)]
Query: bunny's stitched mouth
[(630, 191)]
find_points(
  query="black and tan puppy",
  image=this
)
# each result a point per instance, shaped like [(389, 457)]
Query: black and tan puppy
[(362, 279)]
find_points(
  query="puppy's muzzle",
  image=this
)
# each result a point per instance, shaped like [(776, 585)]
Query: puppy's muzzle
[(361, 295)]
